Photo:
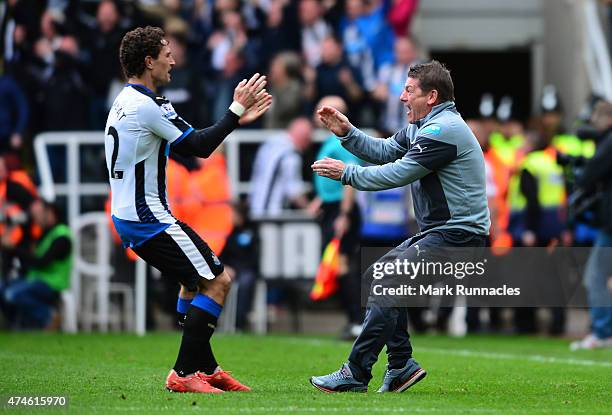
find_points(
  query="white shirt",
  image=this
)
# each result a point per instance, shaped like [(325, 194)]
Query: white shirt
[(277, 176), (140, 129), (312, 37), (393, 76)]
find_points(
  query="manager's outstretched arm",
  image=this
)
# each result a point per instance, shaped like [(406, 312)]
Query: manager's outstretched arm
[(425, 156), (396, 174), (250, 101), (372, 149)]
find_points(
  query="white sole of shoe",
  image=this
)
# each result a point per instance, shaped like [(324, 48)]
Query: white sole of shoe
[(416, 377), (322, 389)]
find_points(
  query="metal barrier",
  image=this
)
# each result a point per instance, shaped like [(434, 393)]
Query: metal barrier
[(290, 250), (93, 311), (291, 242)]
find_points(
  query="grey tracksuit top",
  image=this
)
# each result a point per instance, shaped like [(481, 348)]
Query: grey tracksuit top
[(439, 157)]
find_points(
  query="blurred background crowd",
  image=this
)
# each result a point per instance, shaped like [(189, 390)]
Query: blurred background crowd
[(60, 72), (64, 55)]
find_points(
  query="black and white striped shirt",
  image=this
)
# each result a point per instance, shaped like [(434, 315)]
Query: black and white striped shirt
[(140, 130)]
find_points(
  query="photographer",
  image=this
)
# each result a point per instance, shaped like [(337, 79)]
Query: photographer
[(597, 178)]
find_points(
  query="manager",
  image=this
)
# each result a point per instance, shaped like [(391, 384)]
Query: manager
[(439, 157)]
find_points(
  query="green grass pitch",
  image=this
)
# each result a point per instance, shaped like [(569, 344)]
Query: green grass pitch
[(108, 374)]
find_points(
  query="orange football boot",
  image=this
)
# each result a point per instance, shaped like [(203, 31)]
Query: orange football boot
[(223, 380), (193, 383)]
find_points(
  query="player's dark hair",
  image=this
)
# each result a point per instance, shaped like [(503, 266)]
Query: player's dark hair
[(136, 45), (434, 75)]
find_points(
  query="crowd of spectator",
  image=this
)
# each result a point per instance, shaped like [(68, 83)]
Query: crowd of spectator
[(61, 69)]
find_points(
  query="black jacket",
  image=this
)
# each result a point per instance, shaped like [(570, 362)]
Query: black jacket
[(597, 175)]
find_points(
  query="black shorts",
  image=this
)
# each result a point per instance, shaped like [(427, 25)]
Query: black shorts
[(180, 253)]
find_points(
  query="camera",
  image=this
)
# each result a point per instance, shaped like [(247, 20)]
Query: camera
[(572, 162), (587, 131), (581, 204)]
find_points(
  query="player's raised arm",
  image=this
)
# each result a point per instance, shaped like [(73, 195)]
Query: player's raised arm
[(246, 92), (261, 105), (250, 101), (372, 149)]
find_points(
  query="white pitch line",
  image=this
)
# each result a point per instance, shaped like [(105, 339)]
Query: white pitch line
[(486, 355), (510, 356), (291, 409)]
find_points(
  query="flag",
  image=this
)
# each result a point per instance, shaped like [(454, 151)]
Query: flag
[(326, 281)]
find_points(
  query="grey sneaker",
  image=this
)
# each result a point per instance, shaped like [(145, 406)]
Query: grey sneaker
[(398, 380), (341, 380), (591, 342)]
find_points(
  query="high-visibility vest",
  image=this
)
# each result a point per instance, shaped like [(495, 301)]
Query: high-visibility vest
[(178, 189), (572, 145), (542, 165), (14, 232), (506, 149), (57, 274), (500, 238), (501, 177), (208, 208), (21, 177)]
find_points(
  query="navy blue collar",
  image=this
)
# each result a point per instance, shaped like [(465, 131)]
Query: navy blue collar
[(140, 86)]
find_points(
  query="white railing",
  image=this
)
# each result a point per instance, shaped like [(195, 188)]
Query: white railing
[(291, 243), (232, 152)]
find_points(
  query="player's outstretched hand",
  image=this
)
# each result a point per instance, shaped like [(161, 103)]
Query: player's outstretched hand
[(261, 105), (334, 120), (246, 92), (329, 168)]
